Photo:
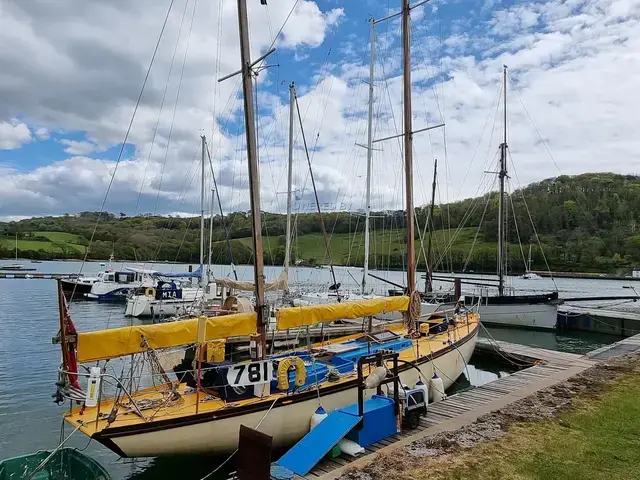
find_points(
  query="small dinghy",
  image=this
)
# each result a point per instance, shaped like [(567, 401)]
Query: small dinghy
[(66, 463)]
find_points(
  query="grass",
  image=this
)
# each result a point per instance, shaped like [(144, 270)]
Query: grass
[(598, 440), (58, 236), (55, 238)]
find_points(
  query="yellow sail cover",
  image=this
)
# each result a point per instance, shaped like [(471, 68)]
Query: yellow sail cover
[(328, 312), (116, 342)]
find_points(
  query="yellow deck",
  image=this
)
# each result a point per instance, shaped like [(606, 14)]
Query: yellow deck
[(186, 405)]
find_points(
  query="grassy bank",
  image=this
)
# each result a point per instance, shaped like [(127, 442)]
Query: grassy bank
[(599, 438)]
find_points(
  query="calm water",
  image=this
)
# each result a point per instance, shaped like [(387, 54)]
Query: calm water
[(29, 420)]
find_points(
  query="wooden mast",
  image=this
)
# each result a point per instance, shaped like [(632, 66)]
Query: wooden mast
[(254, 179), (408, 145)]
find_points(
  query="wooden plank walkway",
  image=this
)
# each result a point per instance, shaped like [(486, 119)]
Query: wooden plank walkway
[(463, 408), (549, 368)]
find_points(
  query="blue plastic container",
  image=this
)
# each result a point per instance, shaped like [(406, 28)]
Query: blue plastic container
[(379, 421)]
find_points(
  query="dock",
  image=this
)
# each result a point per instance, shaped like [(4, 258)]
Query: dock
[(31, 275), (547, 368), (591, 319)]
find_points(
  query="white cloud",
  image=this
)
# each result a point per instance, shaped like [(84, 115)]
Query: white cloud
[(13, 134), (74, 147), (42, 133), (308, 24)]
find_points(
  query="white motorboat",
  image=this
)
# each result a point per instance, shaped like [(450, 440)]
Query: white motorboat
[(117, 285)]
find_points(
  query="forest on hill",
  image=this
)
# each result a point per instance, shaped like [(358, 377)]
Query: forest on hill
[(586, 223)]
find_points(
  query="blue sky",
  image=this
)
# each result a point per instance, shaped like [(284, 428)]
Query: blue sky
[(70, 75)]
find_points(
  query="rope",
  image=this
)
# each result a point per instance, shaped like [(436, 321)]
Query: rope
[(46, 460), (505, 355), (414, 310), (236, 450)]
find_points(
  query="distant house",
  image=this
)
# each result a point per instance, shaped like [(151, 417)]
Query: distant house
[(636, 273)]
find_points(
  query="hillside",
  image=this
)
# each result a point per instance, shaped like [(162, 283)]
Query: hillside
[(584, 223)]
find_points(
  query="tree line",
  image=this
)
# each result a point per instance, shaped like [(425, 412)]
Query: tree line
[(586, 222)]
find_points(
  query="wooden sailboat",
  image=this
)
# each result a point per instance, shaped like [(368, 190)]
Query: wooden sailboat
[(539, 311), (202, 411)]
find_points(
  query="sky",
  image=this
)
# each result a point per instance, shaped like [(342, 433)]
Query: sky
[(79, 132)]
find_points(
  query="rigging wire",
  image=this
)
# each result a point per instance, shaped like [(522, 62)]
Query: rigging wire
[(124, 143), (544, 143), (164, 96), (535, 232), (315, 191), (175, 107)]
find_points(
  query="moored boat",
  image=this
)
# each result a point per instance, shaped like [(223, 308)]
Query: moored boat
[(78, 284), (202, 412), (522, 310), (117, 285)]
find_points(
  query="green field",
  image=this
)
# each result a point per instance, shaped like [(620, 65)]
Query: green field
[(59, 237), (58, 242)]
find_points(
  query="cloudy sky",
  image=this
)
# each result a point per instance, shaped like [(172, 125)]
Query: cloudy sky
[(71, 73)]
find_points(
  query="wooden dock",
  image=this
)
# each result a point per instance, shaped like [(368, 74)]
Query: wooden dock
[(591, 319), (551, 367)]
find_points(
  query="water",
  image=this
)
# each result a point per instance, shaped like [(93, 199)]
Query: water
[(29, 420)]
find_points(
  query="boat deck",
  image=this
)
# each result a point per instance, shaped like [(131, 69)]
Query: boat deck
[(464, 408)]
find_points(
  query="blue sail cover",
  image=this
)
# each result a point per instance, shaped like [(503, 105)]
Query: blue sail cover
[(195, 274)]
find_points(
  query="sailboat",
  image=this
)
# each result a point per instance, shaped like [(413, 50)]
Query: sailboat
[(538, 311), (529, 275), (202, 411), (16, 266)]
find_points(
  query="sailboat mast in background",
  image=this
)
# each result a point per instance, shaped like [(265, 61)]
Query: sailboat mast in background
[(287, 248), (369, 158), (202, 167), (428, 284), (502, 175)]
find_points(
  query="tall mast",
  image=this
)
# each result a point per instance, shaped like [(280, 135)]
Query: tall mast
[(369, 157), (222, 219), (502, 174), (428, 284), (202, 214), (254, 179), (408, 144), (213, 199), (287, 251)]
